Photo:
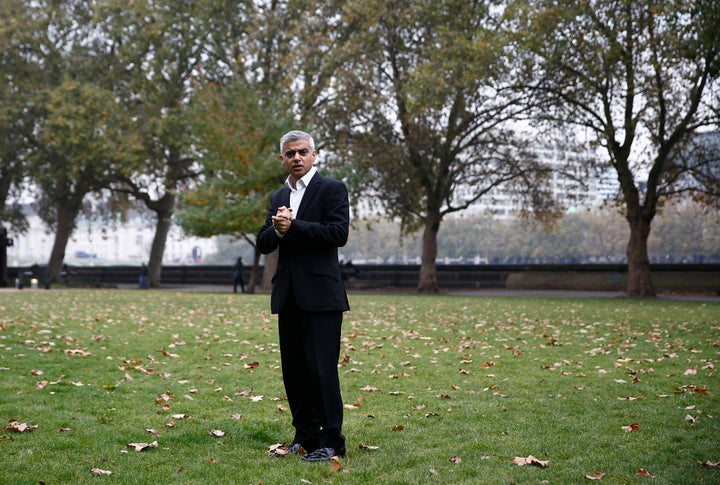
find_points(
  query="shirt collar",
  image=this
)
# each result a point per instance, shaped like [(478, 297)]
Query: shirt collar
[(304, 181)]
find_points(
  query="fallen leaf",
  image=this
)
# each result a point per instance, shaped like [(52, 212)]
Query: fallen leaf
[(216, 432), (236, 416), (281, 408), (336, 465), (143, 446), (530, 460), (180, 416), (368, 447), (595, 476), (709, 463), (97, 471), (691, 419), (631, 427), (644, 473), (369, 389), (79, 352), (18, 427), (456, 459), (398, 427)]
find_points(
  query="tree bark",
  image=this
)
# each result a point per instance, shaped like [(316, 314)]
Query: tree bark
[(3, 256), (639, 281), (427, 281), (164, 210), (66, 212)]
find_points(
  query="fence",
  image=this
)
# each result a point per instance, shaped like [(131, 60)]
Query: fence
[(585, 277)]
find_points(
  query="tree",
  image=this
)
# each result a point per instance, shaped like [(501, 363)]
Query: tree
[(423, 110), (238, 131), (80, 143), (74, 128), (637, 78), (17, 108), (161, 47)]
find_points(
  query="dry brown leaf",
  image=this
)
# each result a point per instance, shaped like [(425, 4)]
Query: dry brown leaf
[(216, 432), (368, 447), (369, 389), (456, 459), (644, 473), (142, 446), (709, 463), (18, 427), (97, 471), (530, 460), (80, 352), (595, 476), (336, 465), (631, 427)]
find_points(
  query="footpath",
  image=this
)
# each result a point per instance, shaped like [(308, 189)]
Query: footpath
[(704, 297)]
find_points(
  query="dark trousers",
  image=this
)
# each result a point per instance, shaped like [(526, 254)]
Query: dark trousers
[(238, 280), (309, 351)]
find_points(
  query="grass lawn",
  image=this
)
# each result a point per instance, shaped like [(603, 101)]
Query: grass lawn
[(438, 389)]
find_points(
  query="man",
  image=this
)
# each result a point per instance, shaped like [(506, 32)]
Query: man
[(238, 277), (307, 221)]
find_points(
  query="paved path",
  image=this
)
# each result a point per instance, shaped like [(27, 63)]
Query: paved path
[(710, 298)]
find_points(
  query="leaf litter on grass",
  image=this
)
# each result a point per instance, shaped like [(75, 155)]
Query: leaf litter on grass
[(434, 360)]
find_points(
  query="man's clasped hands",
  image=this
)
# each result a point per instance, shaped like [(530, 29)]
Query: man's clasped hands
[(282, 219)]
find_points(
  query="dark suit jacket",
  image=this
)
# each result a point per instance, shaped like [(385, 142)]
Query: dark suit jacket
[(308, 256)]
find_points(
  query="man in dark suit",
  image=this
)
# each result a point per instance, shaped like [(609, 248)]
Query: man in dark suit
[(308, 220)]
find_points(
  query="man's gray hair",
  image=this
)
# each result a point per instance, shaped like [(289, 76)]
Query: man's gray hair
[(296, 135)]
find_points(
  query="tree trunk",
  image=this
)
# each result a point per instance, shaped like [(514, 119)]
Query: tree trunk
[(164, 210), (639, 282), (427, 282), (66, 214), (3, 256)]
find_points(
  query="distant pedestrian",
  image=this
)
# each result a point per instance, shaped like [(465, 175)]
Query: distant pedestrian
[(143, 280), (349, 271), (238, 277)]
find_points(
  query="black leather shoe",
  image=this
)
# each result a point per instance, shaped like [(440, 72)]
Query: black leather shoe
[(295, 449), (324, 454)]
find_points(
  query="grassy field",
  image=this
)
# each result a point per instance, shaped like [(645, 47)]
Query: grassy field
[(438, 389)]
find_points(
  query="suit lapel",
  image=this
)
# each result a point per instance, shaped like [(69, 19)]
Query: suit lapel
[(310, 192), (285, 196)]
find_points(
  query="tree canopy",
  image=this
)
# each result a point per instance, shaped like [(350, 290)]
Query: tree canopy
[(638, 78)]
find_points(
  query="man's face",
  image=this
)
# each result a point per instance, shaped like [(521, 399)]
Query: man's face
[(297, 157)]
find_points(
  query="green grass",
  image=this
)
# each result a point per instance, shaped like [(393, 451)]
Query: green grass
[(449, 389)]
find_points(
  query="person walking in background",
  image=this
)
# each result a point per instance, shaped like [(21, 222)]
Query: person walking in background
[(143, 279), (308, 220), (238, 278)]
